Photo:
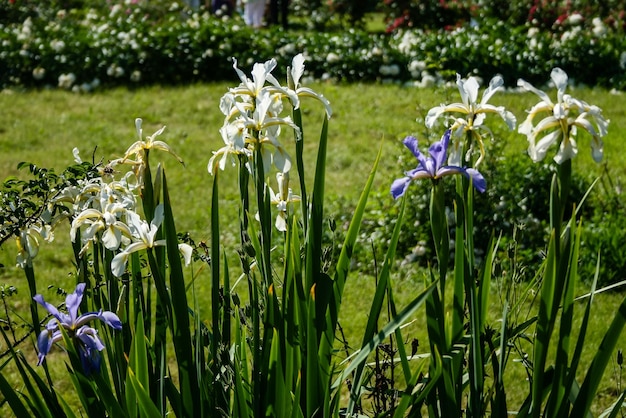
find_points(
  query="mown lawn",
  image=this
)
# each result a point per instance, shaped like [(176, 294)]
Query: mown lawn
[(43, 126)]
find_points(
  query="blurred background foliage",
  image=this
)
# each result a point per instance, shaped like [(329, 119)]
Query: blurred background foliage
[(83, 45)]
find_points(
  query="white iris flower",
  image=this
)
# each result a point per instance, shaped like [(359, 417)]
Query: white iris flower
[(560, 125), (106, 222), (293, 79), (140, 146), (144, 236), (254, 116), (261, 74), (472, 115), (28, 243), (282, 200)]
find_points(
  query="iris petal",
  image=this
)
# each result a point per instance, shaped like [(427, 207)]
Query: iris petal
[(411, 143), (439, 151), (400, 186), (478, 180), (433, 167), (110, 319), (60, 316), (89, 344), (494, 85)]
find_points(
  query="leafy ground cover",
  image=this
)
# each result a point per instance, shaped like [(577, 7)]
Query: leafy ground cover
[(42, 127)]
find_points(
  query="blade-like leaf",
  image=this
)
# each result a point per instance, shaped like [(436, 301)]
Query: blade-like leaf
[(180, 324), (297, 119), (138, 363), (385, 332), (376, 308), (215, 273), (343, 262), (146, 405), (314, 237), (12, 398), (557, 400), (595, 371), (242, 402), (544, 327)]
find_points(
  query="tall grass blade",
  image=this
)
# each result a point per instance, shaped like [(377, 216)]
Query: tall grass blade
[(279, 394), (226, 306), (105, 395), (595, 371), (138, 364), (265, 224), (499, 404), (44, 399), (12, 397), (147, 191), (146, 405), (544, 327), (407, 398), (485, 284), (580, 342), (314, 237), (181, 330), (32, 287), (313, 380), (256, 341), (476, 357), (242, 402), (297, 119), (67, 409), (557, 400), (460, 269), (216, 339), (48, 394), (341, 273)]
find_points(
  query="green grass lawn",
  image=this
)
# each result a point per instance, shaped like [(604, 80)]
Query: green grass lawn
[(43, 126)]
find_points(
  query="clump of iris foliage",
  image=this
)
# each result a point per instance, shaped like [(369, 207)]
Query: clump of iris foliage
[(268, 345), (145, 42)]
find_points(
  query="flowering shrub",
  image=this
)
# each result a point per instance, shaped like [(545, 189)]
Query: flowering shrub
[(136, 44), (559, 15), (401, 14), (545, 14), (520, 52)]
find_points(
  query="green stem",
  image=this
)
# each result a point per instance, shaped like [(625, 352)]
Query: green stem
[(32, 287), (244, 178), (439, 229), (263, 206), (297, 118), (215, 271)]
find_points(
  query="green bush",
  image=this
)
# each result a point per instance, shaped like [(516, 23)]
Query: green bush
[(513, 209), (148, 43), (514, 202), (605, 234)]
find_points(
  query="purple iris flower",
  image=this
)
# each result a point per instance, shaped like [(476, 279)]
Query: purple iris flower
[(89, 344), (433, 167)]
